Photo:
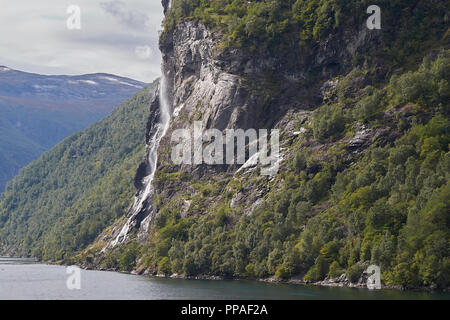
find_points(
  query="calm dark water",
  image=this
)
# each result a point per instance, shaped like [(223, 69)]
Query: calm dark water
[(26, 279)]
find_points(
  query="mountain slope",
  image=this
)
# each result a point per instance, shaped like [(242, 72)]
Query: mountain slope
[(364, 120), (37, 111), (364, 132), (60, 202)]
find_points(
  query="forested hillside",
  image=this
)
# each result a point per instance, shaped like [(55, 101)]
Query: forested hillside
[(367, 182), (59, 203)]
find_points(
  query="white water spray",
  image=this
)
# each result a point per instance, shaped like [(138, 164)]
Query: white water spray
[(153, 145)]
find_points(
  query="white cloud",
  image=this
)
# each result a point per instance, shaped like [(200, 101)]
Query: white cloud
[(144, 52), (129, 17), (115, 37)]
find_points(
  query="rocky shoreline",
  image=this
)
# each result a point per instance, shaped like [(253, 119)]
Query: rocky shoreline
[(341, 281)]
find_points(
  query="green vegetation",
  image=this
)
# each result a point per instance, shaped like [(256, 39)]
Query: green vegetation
[(59, 204)]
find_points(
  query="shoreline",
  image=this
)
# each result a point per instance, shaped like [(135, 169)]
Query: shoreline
[(293, 281)]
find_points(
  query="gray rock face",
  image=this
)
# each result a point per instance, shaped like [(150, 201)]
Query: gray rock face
[(203, 89)]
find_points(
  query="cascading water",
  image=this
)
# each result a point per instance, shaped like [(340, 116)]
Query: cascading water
[(145, 197)]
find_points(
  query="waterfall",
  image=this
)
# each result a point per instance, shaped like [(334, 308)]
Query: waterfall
[(152, 146)]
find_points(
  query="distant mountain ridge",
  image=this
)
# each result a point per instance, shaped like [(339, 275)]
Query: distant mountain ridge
[(37, 111), (14, 83)]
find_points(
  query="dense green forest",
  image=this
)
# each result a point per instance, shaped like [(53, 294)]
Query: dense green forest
[(58, 204)]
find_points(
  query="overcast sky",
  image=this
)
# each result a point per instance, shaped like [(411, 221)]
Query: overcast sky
[(118, 37)]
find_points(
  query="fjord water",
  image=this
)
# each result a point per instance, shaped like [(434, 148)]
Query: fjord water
[(27, 279)]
